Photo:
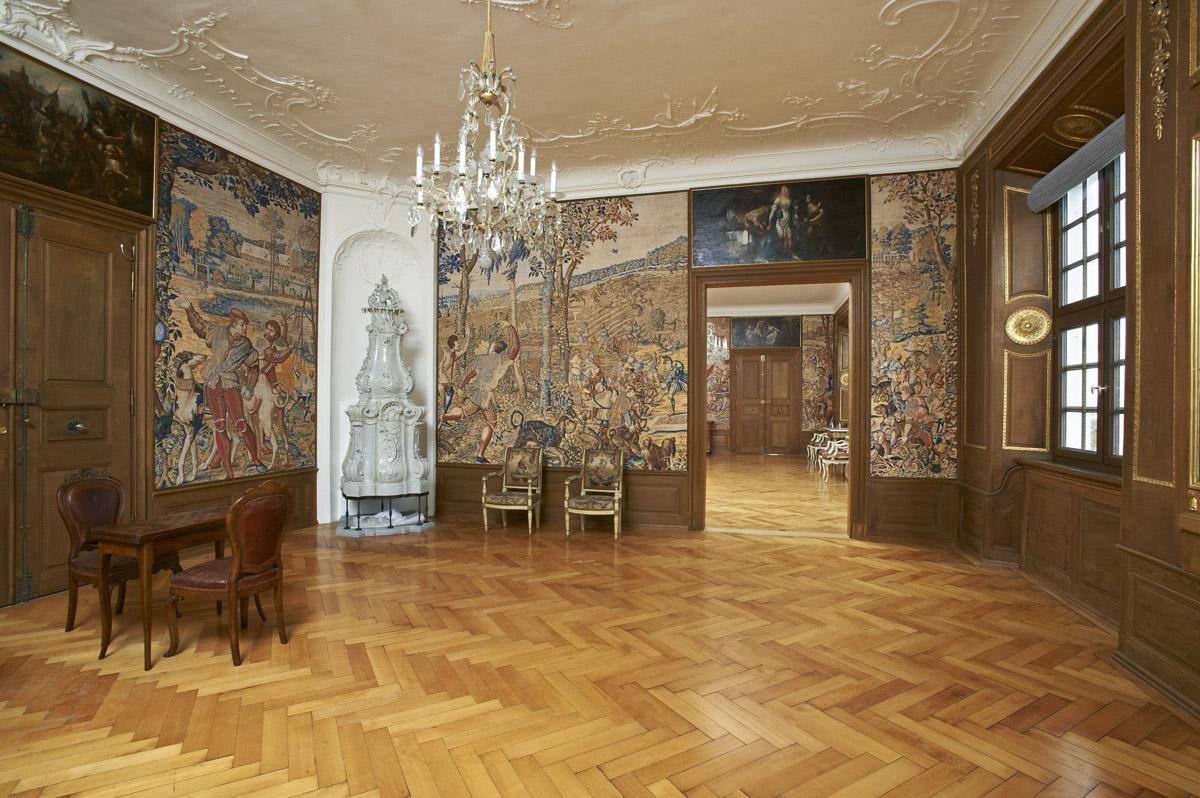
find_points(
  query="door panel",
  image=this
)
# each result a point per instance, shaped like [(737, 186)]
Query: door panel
[(80, 365), (747, 382), (8, 416), (782, 371)]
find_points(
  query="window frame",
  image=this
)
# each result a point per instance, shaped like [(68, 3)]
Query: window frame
[(1105, 309)]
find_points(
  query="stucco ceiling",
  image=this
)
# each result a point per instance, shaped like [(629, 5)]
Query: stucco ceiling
[(624, 93), (777, 300)]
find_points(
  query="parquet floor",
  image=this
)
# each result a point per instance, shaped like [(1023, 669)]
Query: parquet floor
[(777, 493), (662, 664)]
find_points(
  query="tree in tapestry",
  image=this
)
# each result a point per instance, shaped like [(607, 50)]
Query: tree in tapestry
[(573, 342), (235, 316), (914, 326)]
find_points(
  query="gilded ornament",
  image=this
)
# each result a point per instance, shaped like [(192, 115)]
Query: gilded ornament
[(1027, 326), (974, 209), (845, 379), (1160, 15)]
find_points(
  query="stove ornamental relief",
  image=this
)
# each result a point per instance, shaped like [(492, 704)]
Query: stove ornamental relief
[(384, 456)]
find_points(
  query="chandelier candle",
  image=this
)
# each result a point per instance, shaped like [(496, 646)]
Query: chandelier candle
[(488, 201)]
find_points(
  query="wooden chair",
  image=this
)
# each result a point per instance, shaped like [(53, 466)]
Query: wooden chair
[(837, 457), (602, 481), (255, 523), (815, 445), (88, 499), (520, 486)]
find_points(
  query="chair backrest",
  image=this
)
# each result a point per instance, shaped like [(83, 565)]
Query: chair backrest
[(840, 449), (88, 499), (256, 522), (603, 470), (523, 468)]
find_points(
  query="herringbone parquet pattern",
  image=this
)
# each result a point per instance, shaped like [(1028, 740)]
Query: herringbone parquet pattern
[(777, 493), (657, 665)]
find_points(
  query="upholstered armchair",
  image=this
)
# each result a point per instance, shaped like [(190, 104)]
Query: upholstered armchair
[(835, 456), (89, 499), (255, 524), (520, 486), (601, 481)]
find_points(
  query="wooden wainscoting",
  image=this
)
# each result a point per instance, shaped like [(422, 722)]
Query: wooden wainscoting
[(992, 520), (1072, 528), (912, 510), (303, 485), (652, 498)]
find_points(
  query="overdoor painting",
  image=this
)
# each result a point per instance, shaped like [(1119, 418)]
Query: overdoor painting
[(62, 133), (769, 331), (572, 347), (780, 222), (235, 316), (914, 326)]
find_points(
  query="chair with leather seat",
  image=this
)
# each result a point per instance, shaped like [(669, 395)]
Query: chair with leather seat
[(88, 499), (255, 524)]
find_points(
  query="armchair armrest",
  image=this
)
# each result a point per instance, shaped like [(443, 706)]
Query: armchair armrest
[(490, 475), (567, 485)]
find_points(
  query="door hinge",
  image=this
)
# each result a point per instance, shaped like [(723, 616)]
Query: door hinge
[(24, 221), (131, 256)]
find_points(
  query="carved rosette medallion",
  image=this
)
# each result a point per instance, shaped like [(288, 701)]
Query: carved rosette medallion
[(1027, 326)]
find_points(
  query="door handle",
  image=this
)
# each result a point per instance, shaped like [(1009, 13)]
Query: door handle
[(76, 426)]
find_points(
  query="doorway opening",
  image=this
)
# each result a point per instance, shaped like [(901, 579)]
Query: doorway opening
[(779, 406)]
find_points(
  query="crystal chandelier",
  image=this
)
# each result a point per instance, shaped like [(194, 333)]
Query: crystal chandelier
[(485, 199)]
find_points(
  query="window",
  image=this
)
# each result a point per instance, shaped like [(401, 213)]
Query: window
[(1089, 319)]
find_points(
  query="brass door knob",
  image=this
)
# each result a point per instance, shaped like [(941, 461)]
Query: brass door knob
[(76, 426), (3, 430)]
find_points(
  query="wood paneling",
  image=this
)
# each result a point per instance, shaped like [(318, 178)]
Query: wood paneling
[(1026, 403), (1072, 529), (652, 498), (912, 509), (303, 485)]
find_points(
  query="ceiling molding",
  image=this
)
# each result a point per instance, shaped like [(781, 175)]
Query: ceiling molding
[(547, 13)]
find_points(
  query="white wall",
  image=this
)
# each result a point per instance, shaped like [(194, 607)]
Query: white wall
[(363, 236)]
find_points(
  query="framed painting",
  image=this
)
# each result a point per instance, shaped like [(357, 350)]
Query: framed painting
[(811, 220), (235, 338), (61, 133), (768, 331)]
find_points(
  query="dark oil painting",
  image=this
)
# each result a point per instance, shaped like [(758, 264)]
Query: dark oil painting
[(809, 220), (769, 331), (62, 133)]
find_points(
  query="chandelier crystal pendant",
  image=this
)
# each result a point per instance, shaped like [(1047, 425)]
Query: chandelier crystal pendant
[(484, 200)]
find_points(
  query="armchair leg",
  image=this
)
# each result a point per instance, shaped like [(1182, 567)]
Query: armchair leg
[(616, 525), (529, 514), (583, 523), (173, 624), (234, 650), (244, 606), (504, 517), (258, 605), (567, 515), (283, 635), (485, 527), (72, 601), (120, 598)]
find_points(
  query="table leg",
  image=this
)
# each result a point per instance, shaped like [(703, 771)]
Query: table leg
[(389, 512), (146, 578), (347, 498), (105, 602)]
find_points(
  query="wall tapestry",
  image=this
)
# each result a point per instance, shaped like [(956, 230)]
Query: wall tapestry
[(581, 347), (780, 222), (717, 385), (235, 316), (914, 326), (771, 331), (816, 373), (62, 133)]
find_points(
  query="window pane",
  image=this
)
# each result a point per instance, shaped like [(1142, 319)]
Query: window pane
[(1119, 268), (1091, 431), (1118, 386), (1075, 244), (1093, 235), (1092, 270), (1119, 222), (1093, 191), (1119, 172), (1072, 430), (1073, 388), (1073, 346), (1119, 434), (1074, 287), (1119, 339), (1074, 203), (1093, 343), (1092, 387)]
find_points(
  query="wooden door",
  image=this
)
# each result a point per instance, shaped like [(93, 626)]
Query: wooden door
[(748, 394), (80, 368), (781, 384)]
